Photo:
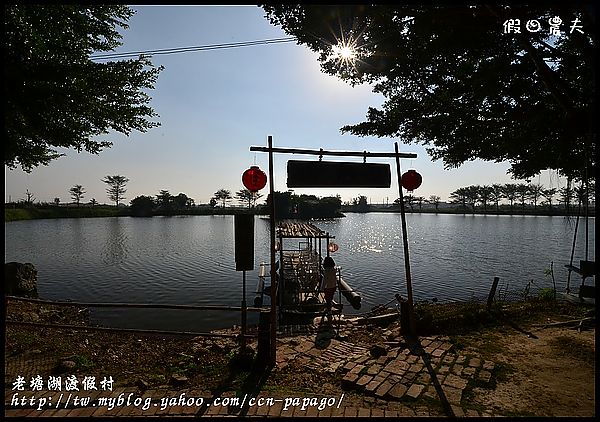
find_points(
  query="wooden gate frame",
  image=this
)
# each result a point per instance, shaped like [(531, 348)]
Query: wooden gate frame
[(321, 152)]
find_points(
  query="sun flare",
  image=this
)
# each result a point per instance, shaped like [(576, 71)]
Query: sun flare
[(344, 52)]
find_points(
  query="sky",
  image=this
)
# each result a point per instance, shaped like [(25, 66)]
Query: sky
[(214, 105)]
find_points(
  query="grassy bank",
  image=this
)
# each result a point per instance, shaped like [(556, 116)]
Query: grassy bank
[(14, 214)]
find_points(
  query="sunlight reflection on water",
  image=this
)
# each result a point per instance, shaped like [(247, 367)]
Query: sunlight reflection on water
[(190, 260)]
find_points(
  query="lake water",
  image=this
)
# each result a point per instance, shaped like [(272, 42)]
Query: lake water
[(190, 260)]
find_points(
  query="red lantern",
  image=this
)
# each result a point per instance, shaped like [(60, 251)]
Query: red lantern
[(411, 180), (254, 179), (333, 247)]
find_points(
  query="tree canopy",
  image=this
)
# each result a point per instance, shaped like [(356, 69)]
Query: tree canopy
[(77, 192), (222, 195), (454, 82), (55, 95), (116, 187)]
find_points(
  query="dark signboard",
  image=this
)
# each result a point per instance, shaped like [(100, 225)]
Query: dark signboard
[(334, 174), (244, 241)]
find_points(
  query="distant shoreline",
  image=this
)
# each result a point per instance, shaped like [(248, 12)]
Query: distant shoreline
[(18, 214)]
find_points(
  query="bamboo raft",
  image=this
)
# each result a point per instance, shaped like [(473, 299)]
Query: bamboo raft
[(300, 298)]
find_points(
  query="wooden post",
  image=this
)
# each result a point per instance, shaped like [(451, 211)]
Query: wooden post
[(411, 313), (568, 288), (244, 318), (264, 341), (273, 340), (492, 294)]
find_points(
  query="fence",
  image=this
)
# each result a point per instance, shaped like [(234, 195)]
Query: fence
[(8, 299)]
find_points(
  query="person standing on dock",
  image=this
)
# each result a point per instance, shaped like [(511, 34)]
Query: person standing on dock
[(329, 284)]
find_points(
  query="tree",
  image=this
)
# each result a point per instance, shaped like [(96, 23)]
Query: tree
[(116, 187), (485, 194), (496, 194), (454, 82), (282, 202), (77, 192), (328, 206), (510, 191), (535, 191), (548, 195), (223, 195), (246, 196), (523, 193), (419, 200), (472, 195), (56, 202), (360, 203), (182, 201), (212, 202), (582, 194), (409, 200), (164, 201), (29, 198), (435, 200), (566, 195), (142, 206), (56, 96), (93, 202), (459, 196)]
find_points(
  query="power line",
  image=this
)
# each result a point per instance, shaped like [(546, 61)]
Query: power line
[(193, 48)]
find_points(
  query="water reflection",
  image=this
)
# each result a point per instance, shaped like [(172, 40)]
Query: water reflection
[(115, 245), (190, 260)]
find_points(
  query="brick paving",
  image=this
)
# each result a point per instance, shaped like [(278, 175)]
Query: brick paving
[(399, 374)]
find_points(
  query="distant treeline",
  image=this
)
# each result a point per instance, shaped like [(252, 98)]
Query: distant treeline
[(523, 198), (510, 198), (14, 212), (287, 204)]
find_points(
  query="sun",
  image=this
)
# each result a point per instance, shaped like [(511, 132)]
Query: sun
[(344, 52)]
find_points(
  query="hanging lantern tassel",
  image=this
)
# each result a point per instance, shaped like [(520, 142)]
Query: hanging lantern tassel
[(411, 180)]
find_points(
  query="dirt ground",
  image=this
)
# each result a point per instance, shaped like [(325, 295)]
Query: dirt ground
[(548, 372), (539, 371)]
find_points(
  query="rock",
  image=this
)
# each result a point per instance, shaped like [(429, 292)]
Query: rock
[(394, 334), (29, 317), (143, 384), (378, 350), (66, 366), (178, 380), (217, 348), (199, 349), (20, 279)]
